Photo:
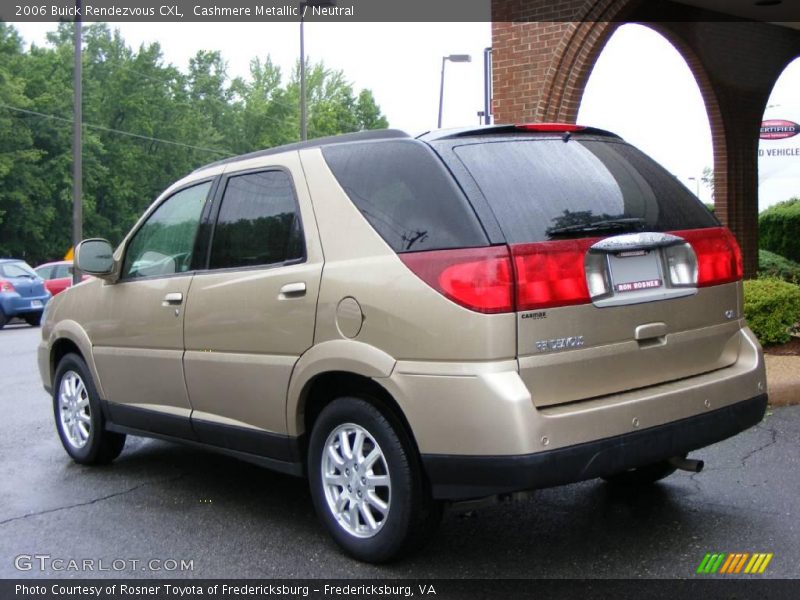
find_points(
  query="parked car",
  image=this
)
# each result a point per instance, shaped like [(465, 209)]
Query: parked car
[(57, 275), (414, 321), (22, 292)]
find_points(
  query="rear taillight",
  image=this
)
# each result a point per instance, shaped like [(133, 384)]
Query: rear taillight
[(719, 259), (5, 286), (681, 264), (547, 274), (564, 272), (551, 273), (597, 279), (480, 279)]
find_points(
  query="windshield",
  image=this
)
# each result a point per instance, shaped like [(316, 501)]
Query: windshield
[(541, 189)]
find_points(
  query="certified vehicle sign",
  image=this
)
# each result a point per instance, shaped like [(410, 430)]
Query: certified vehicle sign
[(778, 129)]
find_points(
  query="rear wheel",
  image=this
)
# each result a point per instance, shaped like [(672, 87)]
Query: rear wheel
[(643, 475), (3, 319), (79, 418), (367, 483), (34, 319)]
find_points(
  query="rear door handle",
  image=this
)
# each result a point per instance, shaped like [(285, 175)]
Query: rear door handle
[(293, 290), (173, 299)]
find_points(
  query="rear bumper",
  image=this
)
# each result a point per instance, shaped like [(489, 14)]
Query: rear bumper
[(458, 477), (14, 304)]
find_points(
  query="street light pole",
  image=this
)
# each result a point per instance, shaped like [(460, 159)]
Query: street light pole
[(453, 58), (487, 86)]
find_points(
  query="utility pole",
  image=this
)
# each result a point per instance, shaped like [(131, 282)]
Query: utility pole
[(77, 166)]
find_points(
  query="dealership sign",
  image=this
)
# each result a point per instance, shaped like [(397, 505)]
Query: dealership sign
[(779, 156), (778, 129)]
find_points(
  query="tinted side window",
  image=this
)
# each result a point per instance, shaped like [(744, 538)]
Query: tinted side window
[(406, 194), (258, 222), (538, 187), (163, 244)]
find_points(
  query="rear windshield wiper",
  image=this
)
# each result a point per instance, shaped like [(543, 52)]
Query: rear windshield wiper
[(628, 224)]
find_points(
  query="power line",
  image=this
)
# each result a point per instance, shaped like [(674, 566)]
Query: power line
[(118, 131)]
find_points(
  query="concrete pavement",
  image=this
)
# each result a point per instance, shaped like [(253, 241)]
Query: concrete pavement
[(161, 502), (783, 379)]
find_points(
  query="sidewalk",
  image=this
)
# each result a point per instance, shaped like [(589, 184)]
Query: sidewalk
[(783, 379)]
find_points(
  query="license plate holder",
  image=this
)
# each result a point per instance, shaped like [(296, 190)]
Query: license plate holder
[(635, 271)]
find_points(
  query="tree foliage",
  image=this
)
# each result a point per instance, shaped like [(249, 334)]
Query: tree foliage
[(778, 228), (146, 124), (772, 308)]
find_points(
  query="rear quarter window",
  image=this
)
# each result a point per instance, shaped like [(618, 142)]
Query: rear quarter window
[(407, 195)]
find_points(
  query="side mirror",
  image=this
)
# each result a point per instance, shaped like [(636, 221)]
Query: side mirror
[(95, 257)]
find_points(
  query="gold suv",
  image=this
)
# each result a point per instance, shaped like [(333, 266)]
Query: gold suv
[(408, 321)]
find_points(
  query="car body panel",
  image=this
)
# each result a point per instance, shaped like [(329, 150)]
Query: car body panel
[(57, 330), (332, 356), (402, 315), (134, 332), (693, 336), (245, 332), (489, 411)]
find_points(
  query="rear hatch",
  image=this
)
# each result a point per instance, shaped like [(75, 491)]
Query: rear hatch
[(24, 279), (622, 278)]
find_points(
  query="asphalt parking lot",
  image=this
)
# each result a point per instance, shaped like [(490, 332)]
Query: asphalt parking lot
[(161, 502)]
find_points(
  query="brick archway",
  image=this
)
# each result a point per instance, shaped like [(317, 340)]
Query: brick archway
[(548, 60)]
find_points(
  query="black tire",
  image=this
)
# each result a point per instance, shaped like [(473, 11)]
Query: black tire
[(412, 514), (34, 319), (99, 446), (644, 475), (3, 319)]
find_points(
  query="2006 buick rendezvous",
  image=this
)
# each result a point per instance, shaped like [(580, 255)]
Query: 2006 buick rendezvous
[(407, 321)]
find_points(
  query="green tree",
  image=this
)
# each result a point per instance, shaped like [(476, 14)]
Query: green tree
[(21, 224), (146, 124), (368, 113)]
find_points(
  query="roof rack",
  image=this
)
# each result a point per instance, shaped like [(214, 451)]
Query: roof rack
[(359, 136)]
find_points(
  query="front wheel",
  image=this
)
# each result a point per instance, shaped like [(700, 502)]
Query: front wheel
[(367, 483), (79, 418)]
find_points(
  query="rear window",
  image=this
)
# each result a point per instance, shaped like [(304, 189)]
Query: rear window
[(542, 189), (16, 269), (405, 192)]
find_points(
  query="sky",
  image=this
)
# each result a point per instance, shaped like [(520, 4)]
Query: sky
[(640, 88)]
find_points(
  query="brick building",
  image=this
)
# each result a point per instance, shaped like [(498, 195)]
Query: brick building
[(543, 53)]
